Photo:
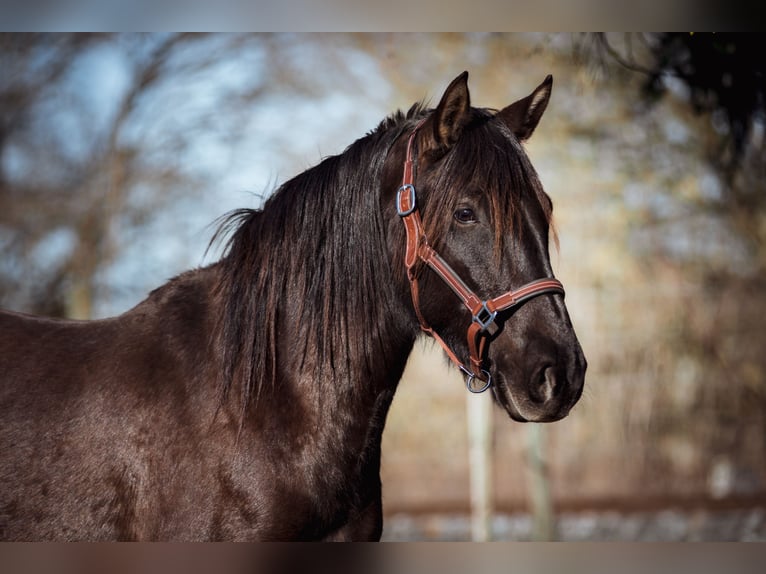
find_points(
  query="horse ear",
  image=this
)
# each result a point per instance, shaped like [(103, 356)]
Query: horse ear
[(451, 115), (523, 116)]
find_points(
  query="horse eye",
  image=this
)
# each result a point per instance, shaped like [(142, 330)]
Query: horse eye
[(465, 215)]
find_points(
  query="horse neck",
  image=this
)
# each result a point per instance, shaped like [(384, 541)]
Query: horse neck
[(342, 397), (333, 377)]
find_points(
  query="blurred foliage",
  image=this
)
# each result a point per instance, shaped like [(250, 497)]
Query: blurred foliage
[(108, 141), (724, 74), (723, 77), (69, 169)]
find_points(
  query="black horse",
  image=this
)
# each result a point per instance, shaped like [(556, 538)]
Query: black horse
[(246, 400)]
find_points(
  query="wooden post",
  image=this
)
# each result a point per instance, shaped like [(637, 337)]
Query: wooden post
[(479, 411), (543, 525)]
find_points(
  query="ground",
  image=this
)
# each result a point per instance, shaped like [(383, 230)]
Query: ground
[(671, 525)]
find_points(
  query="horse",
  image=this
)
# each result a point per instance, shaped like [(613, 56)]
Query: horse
[(246, 399)]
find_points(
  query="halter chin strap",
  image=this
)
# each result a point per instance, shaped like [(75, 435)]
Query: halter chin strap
[(485, 312)]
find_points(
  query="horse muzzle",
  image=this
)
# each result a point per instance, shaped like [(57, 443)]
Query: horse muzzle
[(542, 391)]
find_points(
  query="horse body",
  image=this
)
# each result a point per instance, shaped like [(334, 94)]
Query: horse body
[(246, 400), (127, 441)]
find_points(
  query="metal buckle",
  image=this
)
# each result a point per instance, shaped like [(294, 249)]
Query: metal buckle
[(408, 187), (485, 317), (472, 377)]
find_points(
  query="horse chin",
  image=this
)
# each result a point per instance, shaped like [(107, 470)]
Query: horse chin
[(504, 398), (518, 405)]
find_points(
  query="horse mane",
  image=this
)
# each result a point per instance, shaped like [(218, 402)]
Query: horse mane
[(315, 253)]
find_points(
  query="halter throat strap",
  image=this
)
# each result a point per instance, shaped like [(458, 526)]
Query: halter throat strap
[(483, 312)]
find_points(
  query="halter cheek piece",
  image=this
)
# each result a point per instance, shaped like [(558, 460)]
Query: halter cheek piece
[(484, 313)]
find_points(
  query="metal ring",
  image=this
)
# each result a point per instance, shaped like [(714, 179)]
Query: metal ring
[(410, 189), (472, 377)]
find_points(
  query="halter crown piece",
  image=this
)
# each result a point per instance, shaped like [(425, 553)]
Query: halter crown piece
[(483, 313)]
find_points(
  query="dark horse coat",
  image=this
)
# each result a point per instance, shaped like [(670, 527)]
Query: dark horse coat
[(246, 400)]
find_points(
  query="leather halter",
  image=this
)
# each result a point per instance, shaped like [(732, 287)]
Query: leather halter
[(484, 313)]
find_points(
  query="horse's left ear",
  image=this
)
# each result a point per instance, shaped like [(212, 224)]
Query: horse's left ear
[(443, 128), (523, 116)]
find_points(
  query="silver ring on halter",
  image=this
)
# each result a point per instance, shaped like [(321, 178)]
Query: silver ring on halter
[(472, 377)]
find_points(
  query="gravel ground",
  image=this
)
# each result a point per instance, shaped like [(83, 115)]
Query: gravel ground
[(665, 526)]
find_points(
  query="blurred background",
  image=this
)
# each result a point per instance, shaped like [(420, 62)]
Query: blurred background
[(118, 152)]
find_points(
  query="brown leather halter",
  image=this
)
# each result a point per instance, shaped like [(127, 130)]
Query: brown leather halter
[(484, 313)]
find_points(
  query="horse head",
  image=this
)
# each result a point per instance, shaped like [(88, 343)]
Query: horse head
[(470, 225)]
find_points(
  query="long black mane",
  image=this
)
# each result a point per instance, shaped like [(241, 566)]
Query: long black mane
[(314, 254)]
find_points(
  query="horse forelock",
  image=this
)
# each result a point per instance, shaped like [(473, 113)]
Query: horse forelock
[(489, 160)]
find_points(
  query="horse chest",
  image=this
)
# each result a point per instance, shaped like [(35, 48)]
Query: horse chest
[(328, 478)]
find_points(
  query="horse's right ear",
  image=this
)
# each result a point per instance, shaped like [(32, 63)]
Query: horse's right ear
[(445, 125)]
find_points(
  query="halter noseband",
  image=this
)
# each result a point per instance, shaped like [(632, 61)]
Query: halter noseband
[(484, 313)]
